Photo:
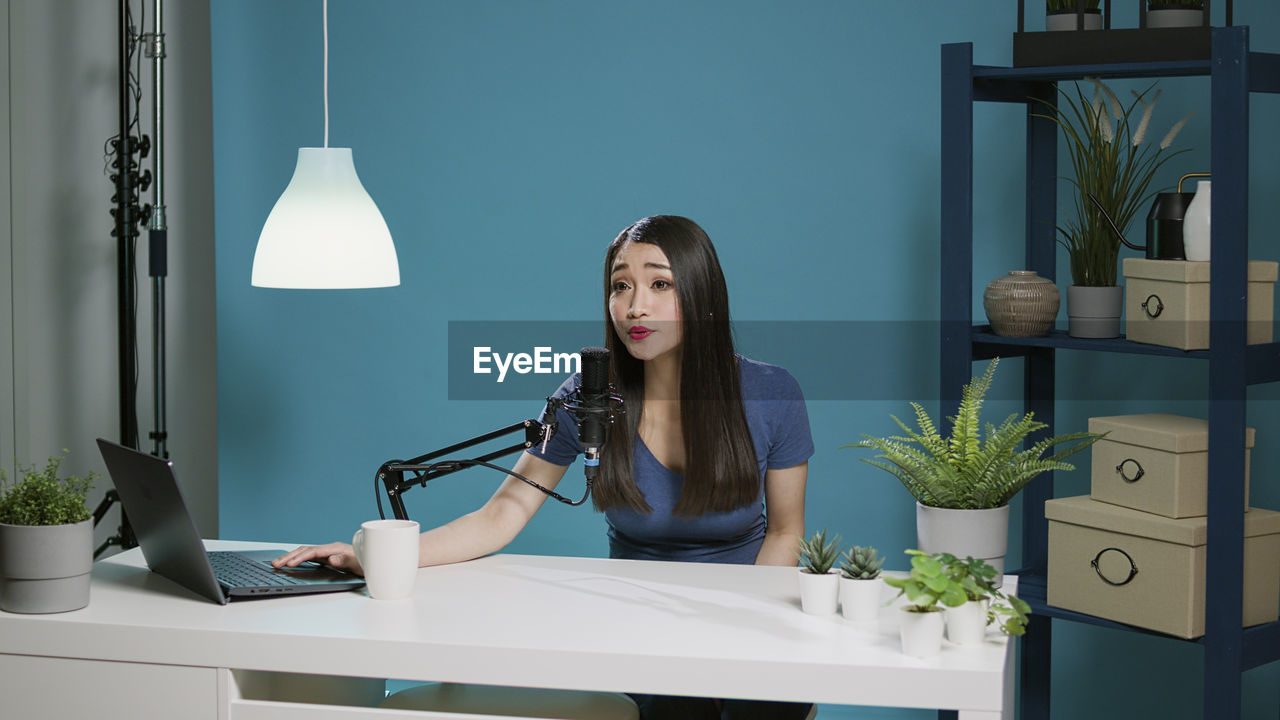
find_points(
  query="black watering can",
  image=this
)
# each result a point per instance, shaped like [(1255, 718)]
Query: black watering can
[(1164, 223)]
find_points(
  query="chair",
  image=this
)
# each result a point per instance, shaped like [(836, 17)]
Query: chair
[(514, 702)]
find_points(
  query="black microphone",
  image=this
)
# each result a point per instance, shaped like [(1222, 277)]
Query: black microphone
[(594, 412)]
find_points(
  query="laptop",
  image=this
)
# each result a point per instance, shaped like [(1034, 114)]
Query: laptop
[(148, 489)]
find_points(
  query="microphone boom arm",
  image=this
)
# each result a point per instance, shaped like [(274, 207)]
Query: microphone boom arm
[(392, 472), (601, 407)]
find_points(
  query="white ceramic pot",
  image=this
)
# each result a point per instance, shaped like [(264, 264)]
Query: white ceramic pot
[(921, 632), (981, 534), (1094, 312), (819, 593), (860, 599), (1174, 17), (1195, 225), (967, 624), (1066, 20)]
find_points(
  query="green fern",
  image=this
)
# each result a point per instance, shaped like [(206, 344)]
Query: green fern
[(967, 470)]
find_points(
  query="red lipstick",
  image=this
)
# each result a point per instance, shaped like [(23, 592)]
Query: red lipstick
[(639, 332)]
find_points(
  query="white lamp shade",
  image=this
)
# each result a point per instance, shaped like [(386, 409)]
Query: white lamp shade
[(325, 231)]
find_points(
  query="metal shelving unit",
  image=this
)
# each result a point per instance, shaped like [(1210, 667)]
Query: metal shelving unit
[(1234, 72)]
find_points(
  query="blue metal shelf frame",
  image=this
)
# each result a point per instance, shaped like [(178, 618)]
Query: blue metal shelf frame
[(1234, 73)]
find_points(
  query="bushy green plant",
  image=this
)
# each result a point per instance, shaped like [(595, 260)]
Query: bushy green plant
[(42, 498), (1059, 5), (928, 584), (816, 554), (965, 470), (861, 563), (977, 578), (1113, 163)]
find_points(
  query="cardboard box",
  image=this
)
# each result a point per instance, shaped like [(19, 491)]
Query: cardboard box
[(1167, 302), (1156, 463), (1149, 571)]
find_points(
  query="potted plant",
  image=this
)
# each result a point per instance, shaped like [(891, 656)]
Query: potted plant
[(860, 584), (963, 483), (46, 540), (1175, 13), (929, 588), (819, 584), (1114, 164), (967, 623), (1061, 15)]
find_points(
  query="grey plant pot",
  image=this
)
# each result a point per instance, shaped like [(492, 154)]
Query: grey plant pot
[(1174, 17), (45, 568), (1094, 312), (1060, 21), (981, 534)]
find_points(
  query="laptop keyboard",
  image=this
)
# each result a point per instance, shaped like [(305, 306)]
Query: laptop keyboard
[(234, 570)]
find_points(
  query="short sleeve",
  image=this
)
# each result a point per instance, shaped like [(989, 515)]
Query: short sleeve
[(563, 447), (791, 442)]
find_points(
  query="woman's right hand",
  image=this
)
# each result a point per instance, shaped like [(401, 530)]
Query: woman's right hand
[(337, 554)]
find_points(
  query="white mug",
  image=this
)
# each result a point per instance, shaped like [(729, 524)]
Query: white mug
[(388, 552)]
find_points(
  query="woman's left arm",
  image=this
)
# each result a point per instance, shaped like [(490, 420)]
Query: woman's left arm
[(784, 512)]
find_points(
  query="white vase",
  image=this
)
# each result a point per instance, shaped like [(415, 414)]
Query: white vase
[(967, 624), (860, 599), (981, 534), (819, 594), (1195, 225), (921, 632)]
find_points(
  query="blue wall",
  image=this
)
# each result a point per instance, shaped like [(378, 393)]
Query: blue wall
[(506, 142)]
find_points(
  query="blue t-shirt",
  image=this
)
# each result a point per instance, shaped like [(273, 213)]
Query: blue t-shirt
[(779, 425)]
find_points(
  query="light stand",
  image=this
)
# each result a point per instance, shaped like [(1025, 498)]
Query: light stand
[(128, 216), (158, 235)]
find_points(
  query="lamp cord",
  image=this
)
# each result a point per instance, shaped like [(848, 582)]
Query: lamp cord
[(325, 5)]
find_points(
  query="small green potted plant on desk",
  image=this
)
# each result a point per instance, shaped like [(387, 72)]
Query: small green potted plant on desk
[(930, 589), (967, 623), (860, 584), (819, 584), (46, 541), (963, 483)]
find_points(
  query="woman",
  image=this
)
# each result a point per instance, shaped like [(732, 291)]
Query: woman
[(707, 464)]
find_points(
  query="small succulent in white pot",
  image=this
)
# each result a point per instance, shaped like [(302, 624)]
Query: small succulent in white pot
[(819, 584), (860, 584)]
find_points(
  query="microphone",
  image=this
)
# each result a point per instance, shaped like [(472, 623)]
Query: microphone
[(593, 406)]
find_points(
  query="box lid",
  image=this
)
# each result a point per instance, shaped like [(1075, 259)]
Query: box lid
[(1186, 271), (1083, 510), (1171, 433)]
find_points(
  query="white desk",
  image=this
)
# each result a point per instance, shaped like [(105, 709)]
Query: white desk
[(145, 646)]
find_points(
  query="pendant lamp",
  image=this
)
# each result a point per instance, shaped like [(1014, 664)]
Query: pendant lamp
[(325, 231)]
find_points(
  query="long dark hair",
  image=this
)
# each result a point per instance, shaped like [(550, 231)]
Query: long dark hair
[(720, 460)]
